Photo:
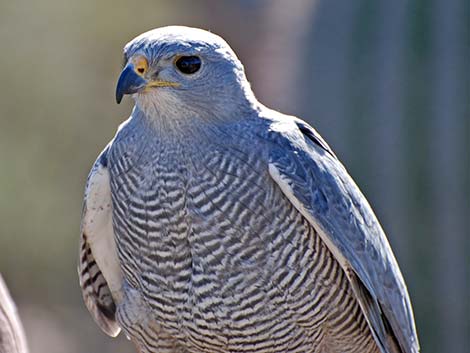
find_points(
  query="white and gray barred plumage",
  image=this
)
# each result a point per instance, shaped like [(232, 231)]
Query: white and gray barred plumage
[(214, 224)]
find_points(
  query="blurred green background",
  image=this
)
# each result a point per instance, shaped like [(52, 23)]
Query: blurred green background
[(387, 83)]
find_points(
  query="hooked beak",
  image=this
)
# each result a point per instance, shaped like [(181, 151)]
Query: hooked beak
[(129, 82)]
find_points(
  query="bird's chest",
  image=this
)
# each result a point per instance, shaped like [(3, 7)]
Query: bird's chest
[(210, 248), (181, 220), (150, 219)]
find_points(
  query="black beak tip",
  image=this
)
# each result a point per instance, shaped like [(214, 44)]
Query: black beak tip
[(119, 96)]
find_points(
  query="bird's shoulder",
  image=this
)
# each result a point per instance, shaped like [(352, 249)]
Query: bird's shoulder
[(281, 131)]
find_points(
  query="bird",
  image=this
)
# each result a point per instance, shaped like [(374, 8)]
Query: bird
[(212, 223)]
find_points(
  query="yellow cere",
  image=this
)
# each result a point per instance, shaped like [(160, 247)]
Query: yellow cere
[(162, 84)]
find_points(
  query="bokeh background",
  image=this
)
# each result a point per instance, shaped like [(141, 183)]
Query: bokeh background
[(387, 83)]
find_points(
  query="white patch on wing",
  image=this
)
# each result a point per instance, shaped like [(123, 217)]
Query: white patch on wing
[(97, 225)]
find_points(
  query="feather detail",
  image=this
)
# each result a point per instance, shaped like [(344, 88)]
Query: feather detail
[(95, 291), (319, 187), (99, 271)]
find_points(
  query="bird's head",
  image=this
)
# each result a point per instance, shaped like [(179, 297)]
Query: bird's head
[(175, 69)]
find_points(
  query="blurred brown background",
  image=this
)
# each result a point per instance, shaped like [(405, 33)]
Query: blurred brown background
[(387, 83)]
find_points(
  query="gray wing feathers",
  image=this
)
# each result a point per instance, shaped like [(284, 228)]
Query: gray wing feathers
[(99, 272), (321, 189), (95, 291)]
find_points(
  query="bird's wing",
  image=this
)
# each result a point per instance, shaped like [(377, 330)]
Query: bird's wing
[(317, 184), (98, 268)]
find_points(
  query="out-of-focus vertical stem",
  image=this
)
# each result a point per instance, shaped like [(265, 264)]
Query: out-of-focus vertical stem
[(12, 338), (388, 113), (281, 32), (450, 205)]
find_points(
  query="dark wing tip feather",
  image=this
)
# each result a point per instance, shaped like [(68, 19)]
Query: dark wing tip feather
[(310, 133), (380, 325), (95, 291)]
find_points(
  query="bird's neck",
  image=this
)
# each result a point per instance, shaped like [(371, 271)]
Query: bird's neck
[(176, 121)]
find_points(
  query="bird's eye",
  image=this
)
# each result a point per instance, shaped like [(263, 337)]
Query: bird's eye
[(188, 64)]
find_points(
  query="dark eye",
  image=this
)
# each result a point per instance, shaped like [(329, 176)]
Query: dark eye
[(188, 64)]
